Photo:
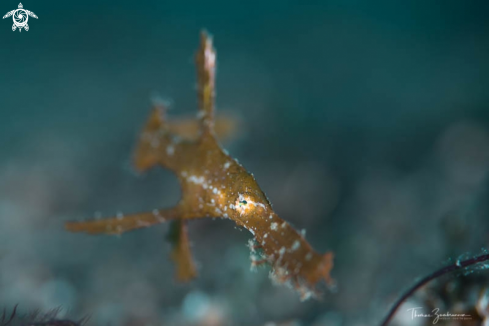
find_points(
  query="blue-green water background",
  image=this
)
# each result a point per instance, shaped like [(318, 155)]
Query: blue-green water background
[(365, 123)]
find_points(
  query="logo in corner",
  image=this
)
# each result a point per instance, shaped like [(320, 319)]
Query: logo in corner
[(20, 17)]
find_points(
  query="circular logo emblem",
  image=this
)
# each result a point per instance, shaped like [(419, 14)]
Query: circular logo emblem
[(20, 18)]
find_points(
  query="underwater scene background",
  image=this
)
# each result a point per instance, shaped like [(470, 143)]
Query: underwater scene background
[(366, 123)]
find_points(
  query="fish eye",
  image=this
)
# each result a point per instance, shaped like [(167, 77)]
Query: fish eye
[(243, 202)]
